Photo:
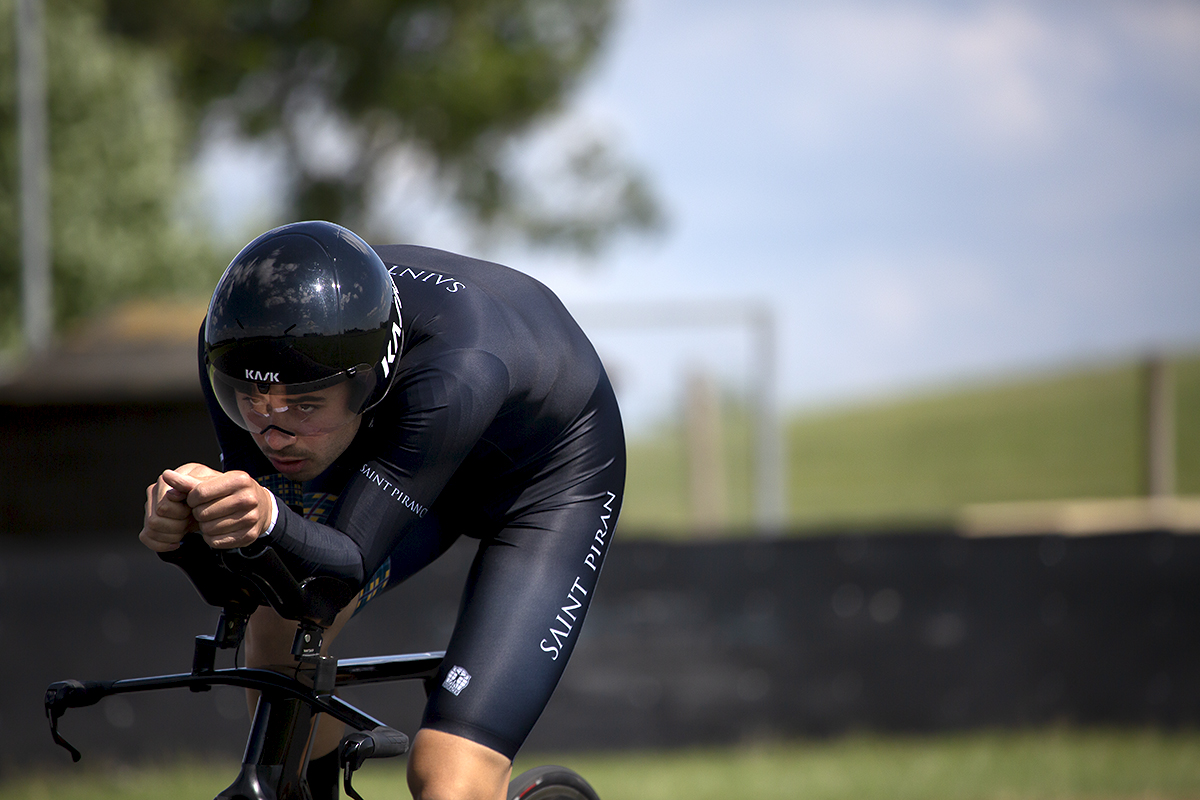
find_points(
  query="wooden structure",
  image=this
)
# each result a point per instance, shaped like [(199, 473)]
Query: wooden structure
[(88, 423)]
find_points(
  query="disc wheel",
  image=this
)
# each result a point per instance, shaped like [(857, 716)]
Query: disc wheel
[(550, 783)]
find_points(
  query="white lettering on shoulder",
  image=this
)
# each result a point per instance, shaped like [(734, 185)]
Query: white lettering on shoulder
[(448, 282), (395, 492)]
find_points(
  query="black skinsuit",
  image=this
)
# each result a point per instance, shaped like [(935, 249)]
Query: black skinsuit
[(501, 426)]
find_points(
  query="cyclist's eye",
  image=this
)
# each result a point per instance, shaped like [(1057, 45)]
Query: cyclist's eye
[(253, 405)]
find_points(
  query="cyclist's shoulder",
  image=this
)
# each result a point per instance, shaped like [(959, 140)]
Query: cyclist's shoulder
[(416, 267), (415, 262), (442, 370)]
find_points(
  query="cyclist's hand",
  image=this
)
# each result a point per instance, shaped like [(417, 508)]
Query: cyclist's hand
[(231, 509), (168, 517)]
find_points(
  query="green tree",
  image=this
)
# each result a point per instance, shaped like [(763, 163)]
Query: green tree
[(117, 143), (455, 81)]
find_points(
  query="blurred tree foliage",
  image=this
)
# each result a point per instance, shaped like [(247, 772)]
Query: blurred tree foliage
[(456, 84), (454, 81), (117, 140)]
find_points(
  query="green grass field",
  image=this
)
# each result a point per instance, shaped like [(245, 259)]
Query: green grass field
[(916, 460), (1056, 764)]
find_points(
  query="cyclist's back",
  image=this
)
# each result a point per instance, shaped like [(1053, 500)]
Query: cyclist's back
[(488, 327)]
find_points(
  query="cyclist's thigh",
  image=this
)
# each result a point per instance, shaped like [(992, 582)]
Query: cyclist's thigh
[(526, 596)]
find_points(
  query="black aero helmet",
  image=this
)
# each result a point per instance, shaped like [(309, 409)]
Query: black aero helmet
[(302, 308)]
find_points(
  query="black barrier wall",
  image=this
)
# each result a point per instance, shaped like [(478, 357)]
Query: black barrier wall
[(685, 644), (741, 640), (85, 466)]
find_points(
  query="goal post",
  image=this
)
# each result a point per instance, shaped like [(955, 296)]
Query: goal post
[(758, 320)]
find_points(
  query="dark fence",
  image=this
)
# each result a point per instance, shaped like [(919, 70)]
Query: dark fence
[(686, 644), (85, 466)]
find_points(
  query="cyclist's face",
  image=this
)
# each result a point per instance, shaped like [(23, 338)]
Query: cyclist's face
[(302, 434)]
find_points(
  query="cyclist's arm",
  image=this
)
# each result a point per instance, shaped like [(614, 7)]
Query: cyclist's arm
[(420, 435)]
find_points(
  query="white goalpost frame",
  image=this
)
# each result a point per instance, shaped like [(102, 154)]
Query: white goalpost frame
[(770, 461)]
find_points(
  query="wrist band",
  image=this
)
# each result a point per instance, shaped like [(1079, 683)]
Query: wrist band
[(274, 515)]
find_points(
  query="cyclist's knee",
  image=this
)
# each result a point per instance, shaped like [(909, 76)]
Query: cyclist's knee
[(269, 638), (447, 767)]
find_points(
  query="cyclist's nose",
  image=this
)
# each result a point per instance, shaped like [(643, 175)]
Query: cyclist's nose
[(277, 438)]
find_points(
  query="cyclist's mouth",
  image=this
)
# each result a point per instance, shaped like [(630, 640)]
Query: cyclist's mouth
[(288, 465)]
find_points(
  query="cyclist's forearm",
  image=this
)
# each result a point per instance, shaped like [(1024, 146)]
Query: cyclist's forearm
[(309, 548)]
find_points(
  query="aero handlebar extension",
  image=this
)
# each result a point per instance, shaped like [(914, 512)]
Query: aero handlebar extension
[(241, 579)]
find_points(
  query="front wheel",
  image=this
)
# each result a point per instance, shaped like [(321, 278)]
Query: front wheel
[(550, 783)]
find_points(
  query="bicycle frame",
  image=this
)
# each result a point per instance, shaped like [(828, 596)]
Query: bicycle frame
[(280, 734), (280, 739)]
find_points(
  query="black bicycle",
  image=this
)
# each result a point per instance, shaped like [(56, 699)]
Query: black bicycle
[(277, 749)]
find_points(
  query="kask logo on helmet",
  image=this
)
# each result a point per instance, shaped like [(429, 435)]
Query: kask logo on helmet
[(262, 377), (393, 349)]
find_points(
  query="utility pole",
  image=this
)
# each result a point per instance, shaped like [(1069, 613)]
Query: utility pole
[(36, 296), (770, 503), (706, 455), (1159, 427)]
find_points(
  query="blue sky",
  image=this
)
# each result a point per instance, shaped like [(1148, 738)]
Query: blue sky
[(925, 193)]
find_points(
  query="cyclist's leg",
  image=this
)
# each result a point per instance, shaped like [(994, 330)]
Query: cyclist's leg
[(269, 640), (524, 603), (525, 600), (442, 765)]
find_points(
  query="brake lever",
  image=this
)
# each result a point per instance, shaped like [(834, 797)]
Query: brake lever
[(70, 694), (357, 747), (59, 740)]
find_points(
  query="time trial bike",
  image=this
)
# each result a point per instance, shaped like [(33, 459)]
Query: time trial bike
[(277, 750)]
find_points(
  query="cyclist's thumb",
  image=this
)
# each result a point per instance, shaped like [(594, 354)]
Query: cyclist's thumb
[(180, 482)]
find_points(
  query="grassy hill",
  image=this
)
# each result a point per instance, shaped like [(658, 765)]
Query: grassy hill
[(916, 460)]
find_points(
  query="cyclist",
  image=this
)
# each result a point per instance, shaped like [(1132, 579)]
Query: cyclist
[(372, 406)]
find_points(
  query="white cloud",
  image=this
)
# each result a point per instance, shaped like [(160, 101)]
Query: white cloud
[(1168, 30), (994, 76), (997, 77), (899, 299)]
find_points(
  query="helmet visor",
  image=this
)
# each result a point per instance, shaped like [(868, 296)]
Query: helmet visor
[(299, 409)]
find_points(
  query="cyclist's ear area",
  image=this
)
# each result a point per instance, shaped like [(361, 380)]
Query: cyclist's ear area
[(340, 396), (358, 391)]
